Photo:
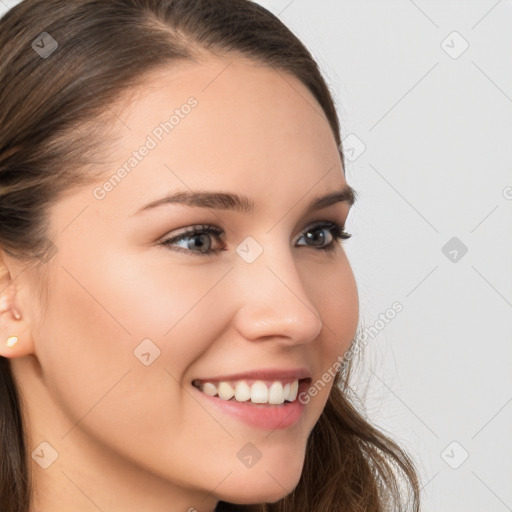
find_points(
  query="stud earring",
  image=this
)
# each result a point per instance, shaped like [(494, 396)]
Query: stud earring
[(12, 340)]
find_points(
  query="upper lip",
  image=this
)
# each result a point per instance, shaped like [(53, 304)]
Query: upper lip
[(264, 374)]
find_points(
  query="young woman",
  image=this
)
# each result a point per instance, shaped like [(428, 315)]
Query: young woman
[(177, 312)]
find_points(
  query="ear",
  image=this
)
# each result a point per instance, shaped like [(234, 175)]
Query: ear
[(15, 337)]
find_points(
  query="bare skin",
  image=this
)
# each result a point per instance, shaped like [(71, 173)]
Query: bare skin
[(132, 437)]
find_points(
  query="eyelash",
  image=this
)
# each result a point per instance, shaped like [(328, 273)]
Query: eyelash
[(337, 233)]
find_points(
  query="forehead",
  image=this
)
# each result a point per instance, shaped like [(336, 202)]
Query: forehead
[(238, 101), (224, 122)]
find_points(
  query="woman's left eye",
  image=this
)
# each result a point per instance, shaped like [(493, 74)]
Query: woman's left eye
[(199, 237), (336, 233)]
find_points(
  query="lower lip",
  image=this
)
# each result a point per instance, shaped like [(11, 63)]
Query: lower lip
[(264, 416)]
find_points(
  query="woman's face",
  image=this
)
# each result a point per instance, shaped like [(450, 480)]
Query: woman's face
[(131, 322)]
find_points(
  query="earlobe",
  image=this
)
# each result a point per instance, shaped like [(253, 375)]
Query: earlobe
[(11, 331), (13, 336), (12, 340), (7, 344)]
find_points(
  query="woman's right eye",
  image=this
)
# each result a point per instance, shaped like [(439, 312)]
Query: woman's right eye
[(198, 237)]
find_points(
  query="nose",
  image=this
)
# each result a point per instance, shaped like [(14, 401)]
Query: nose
[(273, 301)]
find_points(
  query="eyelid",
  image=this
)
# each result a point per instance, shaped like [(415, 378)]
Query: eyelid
[(221, 232), (192, 228), (323, 222)]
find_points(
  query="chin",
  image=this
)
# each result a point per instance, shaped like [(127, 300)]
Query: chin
[(256, 488)]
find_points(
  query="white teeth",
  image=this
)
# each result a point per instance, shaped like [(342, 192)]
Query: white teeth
[(210, 389), (276, 393), (258, 393), (294, 388), (242, 392), (226, 392)]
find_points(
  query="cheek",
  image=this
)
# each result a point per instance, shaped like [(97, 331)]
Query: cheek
[(96, 320), (86, 344), (346, 309), (105, 314), (334, 292)]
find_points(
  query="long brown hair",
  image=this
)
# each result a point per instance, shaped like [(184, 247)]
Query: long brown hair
[(63, 64)]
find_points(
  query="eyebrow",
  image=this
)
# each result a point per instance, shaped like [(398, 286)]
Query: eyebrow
[(241, 203)]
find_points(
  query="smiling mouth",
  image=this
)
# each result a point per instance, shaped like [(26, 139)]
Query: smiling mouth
[(270, 392)]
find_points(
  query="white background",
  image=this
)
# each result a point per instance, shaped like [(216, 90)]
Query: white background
[(435, 123)]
